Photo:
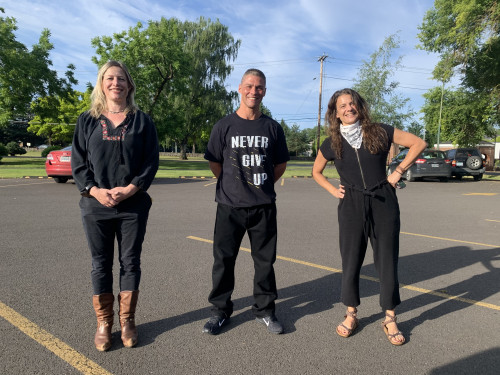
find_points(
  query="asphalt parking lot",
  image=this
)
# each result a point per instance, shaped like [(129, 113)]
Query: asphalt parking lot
[(449, 270)]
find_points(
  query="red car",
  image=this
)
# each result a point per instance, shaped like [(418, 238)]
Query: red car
[(58, 165)]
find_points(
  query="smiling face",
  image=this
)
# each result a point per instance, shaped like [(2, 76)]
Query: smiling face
[(115, 85), (347, 112), (252, 89)]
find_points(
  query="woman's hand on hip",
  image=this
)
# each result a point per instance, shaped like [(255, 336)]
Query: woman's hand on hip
[(339, 193), (394, 178)]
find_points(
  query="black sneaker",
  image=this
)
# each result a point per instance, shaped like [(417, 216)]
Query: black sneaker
[(215, 323), (272, 324)]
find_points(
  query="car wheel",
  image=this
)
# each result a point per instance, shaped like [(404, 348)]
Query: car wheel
[(474, 162), (409, 176), (458, 176), (60, 180), (478, 177)]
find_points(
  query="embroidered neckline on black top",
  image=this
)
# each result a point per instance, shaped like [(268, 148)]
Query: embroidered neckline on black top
[(107, 137)]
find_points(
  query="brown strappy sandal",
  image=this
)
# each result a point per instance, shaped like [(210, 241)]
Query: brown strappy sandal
[(353, 315), (390, 337)]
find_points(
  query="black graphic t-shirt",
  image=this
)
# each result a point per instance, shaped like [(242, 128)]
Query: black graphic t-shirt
[(248, 150)]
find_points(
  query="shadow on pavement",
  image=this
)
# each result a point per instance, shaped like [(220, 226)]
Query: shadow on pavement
[(489, 361), (319, 295), (294, 303)]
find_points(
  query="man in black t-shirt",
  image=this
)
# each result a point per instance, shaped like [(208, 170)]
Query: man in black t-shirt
[(247, 153)]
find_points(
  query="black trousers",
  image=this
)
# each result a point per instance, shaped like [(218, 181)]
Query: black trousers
[(127, 223), (373, 215), (230, 226)]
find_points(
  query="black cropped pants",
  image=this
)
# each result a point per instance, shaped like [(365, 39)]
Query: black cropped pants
[(231, 224), (126, 223), (372, 215)]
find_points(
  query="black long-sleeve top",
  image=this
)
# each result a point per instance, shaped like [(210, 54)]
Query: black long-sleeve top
[(105, 157)]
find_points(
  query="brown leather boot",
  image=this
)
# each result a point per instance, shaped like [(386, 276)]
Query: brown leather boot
[(103, 306), (128, 301)]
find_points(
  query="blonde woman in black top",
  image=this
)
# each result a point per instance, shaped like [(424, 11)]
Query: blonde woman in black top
[(115, 157)]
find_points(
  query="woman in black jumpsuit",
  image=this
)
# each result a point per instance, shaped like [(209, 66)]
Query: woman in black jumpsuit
[(368, 206)]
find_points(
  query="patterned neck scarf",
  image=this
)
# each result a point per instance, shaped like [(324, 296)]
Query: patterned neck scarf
[(352, 134)]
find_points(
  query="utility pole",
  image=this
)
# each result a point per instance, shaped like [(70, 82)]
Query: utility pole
[(321, 59), (440, 112)]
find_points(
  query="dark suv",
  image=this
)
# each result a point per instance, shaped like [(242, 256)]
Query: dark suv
[(466, 162)]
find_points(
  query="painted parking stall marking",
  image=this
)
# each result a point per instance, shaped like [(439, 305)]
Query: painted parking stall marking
[(52, 343), (374, 279)]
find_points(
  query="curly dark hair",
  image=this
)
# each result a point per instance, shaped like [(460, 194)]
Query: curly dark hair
[(374, 136)]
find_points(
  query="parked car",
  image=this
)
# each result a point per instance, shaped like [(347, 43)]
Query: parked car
[(41, 147), (466, 162), (430, 163), (58, 165)]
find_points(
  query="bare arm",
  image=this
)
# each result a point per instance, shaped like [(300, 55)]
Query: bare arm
[(216, 168), (317, 172), (279, 169), (415, 144)]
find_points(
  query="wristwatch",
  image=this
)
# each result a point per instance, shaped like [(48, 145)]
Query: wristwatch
[(86, 193)]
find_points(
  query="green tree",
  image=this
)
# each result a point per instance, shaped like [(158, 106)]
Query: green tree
[(375, 86), (3, 151), (466, 34), (416, 128), (18, 131), (13, 149), (180, 69), (55, 117), (312, 134), (266, 110), (465, 119), (26, 75), (297, 140), (462, 31)]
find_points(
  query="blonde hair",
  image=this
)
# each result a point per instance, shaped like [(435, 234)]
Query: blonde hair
[(98, 99)]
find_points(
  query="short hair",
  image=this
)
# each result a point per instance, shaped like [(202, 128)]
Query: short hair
[(254, 72), (98, 99)]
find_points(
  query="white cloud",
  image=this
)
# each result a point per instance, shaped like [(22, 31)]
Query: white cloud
[(284, 39)]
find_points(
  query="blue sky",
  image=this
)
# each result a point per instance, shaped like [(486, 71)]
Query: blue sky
[(282, 38)]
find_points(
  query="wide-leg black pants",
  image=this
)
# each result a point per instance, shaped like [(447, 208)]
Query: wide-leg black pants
[(230, 226), (127, 223), (373, 215)]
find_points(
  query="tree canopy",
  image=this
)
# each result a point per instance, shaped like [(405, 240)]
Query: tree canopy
[(179, 69), (466, 34), (55, 117), (466, 116), (374, 84), (26, 75)]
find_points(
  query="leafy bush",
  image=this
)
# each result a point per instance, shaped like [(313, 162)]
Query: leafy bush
[(3, 151), (13, 149), (46, 151)]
